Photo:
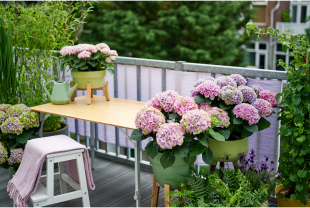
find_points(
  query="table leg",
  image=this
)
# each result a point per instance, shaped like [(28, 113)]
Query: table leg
[(92, 145), (41, 128)]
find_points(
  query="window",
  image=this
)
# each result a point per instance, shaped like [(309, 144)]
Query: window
[(294, 14), (263, 46), (251, 58), (257, 54), (260, 13), (278, 57), (262, 60), (303, 16), (279, 54)]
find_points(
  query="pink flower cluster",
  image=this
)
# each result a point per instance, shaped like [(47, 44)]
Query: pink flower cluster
[(184, 104), (68, 50), (248, 93), (231, 95), (170, 135), (263, 106), (200, 81), (154, 103), (149, 119), (208, 89), (225, 81), (269, 96), (257, 88), (203, 106), (84, 54), (110, 59), (3, 116), (4, 107), (247, 112), (167, 100), (240, 80), (88, 47), (196, 121), (221, 114), (102, 46)]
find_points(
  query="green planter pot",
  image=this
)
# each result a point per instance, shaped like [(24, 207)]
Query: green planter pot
[(179, 168), (95, 78), (233, 148), (11, 172)]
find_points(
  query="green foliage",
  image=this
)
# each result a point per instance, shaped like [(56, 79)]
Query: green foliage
[(37, 31), (285, 16), (294, 114), (53, 123), (197, 31)]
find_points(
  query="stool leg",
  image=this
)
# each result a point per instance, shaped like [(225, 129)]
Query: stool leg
[(155, 193), (212, 168), (106, 90), (63, 184), (92, 93), (82, 180), (88, 93), (167, 191), (221, 172), (74, 94), (50, 177)]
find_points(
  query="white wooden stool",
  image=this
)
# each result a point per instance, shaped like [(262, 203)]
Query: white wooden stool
[(45, 195)]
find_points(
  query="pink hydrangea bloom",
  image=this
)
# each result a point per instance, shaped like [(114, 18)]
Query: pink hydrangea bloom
[(153, 103), (248, 93), (225, 81), (88, 47), (196, 121), (184, 104), (84, 54), (105, 51), (240, 80), (221, 114), (149, 119), (247, 112), (102, 45), (170, 135), (269, 96), (257, 88), (203, 106), (75, 49), (113, 53), (110, 59), (167, 100), (65, 51), (200, 81), (263, 106), (231, 95), (208, 89)]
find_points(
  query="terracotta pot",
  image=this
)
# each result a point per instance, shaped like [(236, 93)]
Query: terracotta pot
[(286, 202)]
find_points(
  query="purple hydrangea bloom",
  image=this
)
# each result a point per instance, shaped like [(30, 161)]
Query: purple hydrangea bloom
[(12, 125), (3, 116), (247, 112), (269, 96), (149, 119), (240, 80), (154, 102), (184, 104), (221, 114), (170, 135), (3, 154), (231, 95), (257, 88), (17, 110), (167, 100), (263, 106), (208, 89), (200, 81), (4, 107), (196, 121), (30, 119), (16, 156), (248, 93), (203, 106), (225, 81)]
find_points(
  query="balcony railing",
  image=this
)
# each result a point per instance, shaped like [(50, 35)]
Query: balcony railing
[(295, 28)]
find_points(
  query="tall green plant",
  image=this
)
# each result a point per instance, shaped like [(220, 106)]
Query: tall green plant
[(9, 82), (294, 114)]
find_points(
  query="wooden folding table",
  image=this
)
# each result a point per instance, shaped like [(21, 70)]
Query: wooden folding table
[(116, 112)]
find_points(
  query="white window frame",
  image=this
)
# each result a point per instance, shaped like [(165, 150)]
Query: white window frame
[(299, 4), (259, 3), (258, 52), (280, 53)]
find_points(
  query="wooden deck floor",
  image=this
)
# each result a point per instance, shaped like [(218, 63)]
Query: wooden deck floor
[(114, 187)]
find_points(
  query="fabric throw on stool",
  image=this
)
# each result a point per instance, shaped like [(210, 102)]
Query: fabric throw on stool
[(26, 179)]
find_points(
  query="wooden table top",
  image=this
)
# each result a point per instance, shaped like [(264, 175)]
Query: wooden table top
[(116, 112)]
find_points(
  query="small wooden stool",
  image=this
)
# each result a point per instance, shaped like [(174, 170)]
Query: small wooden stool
[(155, 193), (90, 92)]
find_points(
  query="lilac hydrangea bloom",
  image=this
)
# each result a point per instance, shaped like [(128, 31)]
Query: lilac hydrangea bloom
[(184, 104), (221, 114), (16, 156), (200, 81), (208, 89), (225, 81), (4, 107), (247, 112), (196, 121), (154, 102), (231, 95), (149, 119), (257, 88), (30, 119), (248, 93), (167, 100), (263, 106), (269, 96), (170, 135), (203, 106), (3, 154), (240, 80), (17, 110), (12, 125), (3, 116)]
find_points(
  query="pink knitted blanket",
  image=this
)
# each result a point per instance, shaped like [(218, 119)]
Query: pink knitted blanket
[(25, 181)]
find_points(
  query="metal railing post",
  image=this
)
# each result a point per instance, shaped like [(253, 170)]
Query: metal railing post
[(117, 148)]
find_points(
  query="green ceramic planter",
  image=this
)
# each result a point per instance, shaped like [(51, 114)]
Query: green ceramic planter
[(179, 168), (95, 78), (233, 148)]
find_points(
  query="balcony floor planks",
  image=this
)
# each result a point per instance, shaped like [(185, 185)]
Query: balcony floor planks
[(114, 187)]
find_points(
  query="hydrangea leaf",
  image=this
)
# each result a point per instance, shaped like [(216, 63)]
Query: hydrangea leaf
[(137, 135), (173, 115), (224, 106), (263, 124), (245, 133), (198, 148), (152, 149), (251, 128), (216, 135), (167, 159), (181, 151), (225, 133), (207, 156), (237, 121), (199, 99), (203, 139), (190, 159)]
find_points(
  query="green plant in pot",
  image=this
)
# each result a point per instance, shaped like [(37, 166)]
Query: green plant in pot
[(240, 108), (18, 124), (294, 116), (88, 63), (180, 132)]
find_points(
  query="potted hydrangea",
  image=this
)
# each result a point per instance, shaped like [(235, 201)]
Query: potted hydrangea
[(88, 63), (18, 124), (174, 122), (240, 108)]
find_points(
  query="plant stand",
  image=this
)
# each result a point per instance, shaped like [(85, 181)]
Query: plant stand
[(155, 193), (90, 92)]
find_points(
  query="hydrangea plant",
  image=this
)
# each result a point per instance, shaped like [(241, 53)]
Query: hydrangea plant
[(87, 57), (17, 125)]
